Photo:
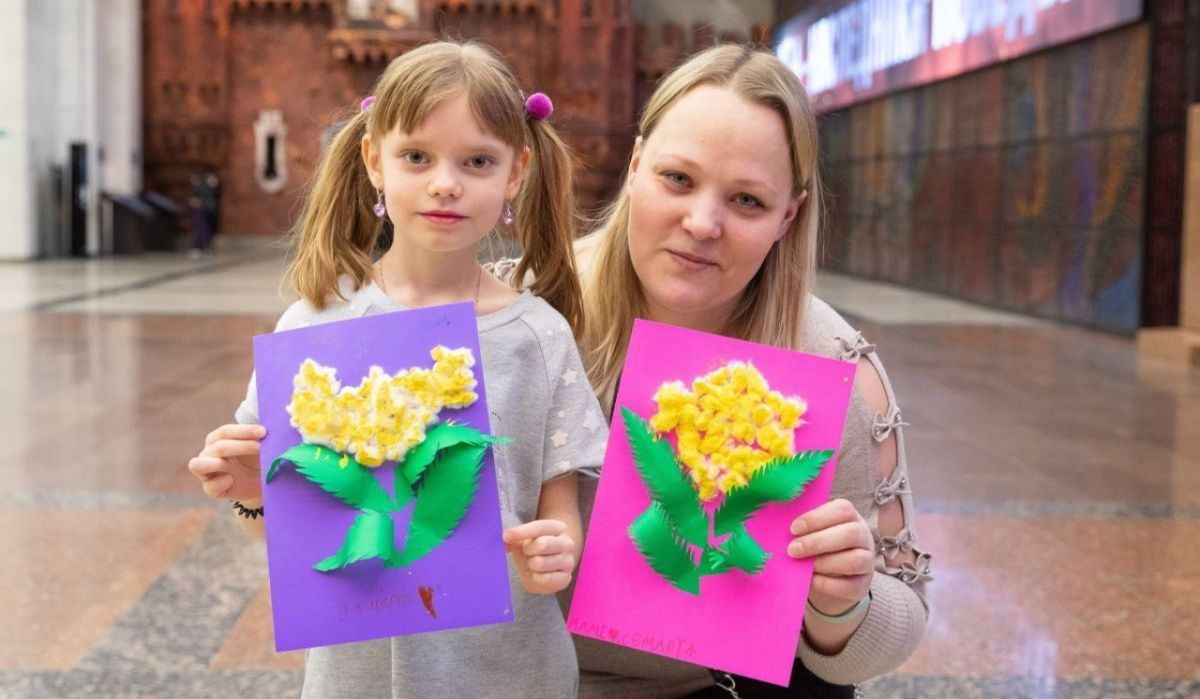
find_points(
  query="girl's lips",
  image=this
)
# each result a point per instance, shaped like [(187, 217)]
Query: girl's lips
[(691, 262), (443, 218)]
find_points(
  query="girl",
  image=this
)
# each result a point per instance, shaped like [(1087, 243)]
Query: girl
[(445, 148)]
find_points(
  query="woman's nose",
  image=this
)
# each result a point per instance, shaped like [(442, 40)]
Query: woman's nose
[(703, 220)]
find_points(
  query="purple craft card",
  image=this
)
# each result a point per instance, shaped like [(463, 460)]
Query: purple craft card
[(747, 624), (463, 581)]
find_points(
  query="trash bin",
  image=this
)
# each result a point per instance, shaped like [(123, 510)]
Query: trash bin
[(163, 231)]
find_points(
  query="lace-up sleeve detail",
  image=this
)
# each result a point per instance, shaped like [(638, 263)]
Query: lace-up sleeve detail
[(876, 480), (502, 269)]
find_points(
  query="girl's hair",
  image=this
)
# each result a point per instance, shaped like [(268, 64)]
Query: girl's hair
[(337, 232), (772, 306)]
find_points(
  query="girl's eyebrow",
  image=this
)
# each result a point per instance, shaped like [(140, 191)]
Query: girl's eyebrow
[(408, 141), (740, 182)]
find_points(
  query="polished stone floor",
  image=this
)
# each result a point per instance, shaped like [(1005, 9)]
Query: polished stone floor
[(1057, 478)]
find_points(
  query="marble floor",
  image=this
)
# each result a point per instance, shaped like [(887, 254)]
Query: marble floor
[(1057, 478)]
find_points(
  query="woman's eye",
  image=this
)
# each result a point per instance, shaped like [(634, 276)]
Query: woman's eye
[(749, 201), (413, 157), (677, 178)]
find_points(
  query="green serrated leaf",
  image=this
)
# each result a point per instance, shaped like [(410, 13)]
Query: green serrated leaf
[(665, 480), (441, 436), (743, 552), (713, 561), (446, 491), (369, 537), (664, 550), (339, 475), (781, 480)]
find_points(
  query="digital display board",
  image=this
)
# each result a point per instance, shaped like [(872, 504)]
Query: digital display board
[(847, 51)]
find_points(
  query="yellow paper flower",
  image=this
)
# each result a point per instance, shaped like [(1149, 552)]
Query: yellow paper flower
[(385, 415), (727, 426)]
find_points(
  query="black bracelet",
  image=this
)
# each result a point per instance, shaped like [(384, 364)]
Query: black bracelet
[(246, 512)]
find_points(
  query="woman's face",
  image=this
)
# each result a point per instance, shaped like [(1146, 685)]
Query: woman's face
[(710, 191)]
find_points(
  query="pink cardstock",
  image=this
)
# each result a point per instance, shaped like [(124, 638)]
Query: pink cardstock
[(740, 623)]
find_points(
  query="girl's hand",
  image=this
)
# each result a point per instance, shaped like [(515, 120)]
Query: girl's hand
[(544, 554), (839, 541), (228, 466)]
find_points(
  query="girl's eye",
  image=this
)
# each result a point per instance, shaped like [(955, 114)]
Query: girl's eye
[(749, 201), (413, 157), (677, 178), (479, 162)]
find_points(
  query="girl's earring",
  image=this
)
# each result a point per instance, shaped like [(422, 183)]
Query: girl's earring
[(379, 209), (508, 213)]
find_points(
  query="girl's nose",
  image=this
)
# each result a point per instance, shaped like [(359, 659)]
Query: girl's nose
[(444, 185)]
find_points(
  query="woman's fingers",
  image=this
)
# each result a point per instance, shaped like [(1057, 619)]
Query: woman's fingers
[(840, 537), (845, 563), (255, 432), (824, 516)]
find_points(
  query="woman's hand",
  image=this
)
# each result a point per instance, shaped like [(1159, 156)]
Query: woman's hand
[(228, 466), (839, 541), (544, 554)]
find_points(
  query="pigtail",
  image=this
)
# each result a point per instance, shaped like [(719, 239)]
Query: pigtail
[(337, 231), (545, 224)]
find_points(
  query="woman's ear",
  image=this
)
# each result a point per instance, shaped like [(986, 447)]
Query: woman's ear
[(793, 208), (370, 157), (517, 173), (635, 158)]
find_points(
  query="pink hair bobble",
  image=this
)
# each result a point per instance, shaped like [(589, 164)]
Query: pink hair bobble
[(539, 106), (366, 103)]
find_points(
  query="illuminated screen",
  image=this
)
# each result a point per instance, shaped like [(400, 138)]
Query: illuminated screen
[(849, 51)]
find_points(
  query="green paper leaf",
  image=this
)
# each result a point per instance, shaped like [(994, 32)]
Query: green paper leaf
[(441, 436), (713, 561), (781, 480), (369, 537), (666, 481), (665, 552), (745, 553), (447, 489), (352, 483)]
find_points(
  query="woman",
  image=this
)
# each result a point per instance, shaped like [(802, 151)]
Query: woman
[(716, 229)]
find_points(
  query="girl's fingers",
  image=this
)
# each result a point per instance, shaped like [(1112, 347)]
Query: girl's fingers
[(839, 537), (554, 581), (218, 486), (548, 545), (845, 563), (824, 516), (205, 466), (524, 535), (550, 564), (255, 432), (231, 448)]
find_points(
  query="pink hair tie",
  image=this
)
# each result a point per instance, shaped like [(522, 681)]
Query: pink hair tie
[(539, 106), (366, 102)]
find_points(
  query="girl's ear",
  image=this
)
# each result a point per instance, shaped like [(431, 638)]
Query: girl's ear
[(515, 175), (792, 209), (371, 158)]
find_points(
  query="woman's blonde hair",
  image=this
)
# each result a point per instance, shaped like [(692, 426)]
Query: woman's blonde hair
[(772, 306), (337, 232)]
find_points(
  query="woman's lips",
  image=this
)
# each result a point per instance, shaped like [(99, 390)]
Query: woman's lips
[(692, 262), (442, 218)]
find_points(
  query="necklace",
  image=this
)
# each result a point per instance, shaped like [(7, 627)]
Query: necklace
[(378, 266)]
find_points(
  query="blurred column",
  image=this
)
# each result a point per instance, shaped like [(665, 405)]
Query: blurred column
[(1182, 344)]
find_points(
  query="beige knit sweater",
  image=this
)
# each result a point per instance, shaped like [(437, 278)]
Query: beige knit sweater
[(896, 617)]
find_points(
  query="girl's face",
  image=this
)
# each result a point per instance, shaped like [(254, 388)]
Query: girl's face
[(444, 184), (710, 191)]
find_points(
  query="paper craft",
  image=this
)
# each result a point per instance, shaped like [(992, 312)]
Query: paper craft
[(381, 491), (715, 448)]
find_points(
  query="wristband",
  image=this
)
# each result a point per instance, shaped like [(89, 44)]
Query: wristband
[(849, 615), (246, 512)]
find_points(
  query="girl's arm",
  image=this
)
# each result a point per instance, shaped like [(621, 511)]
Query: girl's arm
[(228, 469), (545, 550)]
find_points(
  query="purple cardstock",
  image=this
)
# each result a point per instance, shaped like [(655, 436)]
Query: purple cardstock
[(465, 579)]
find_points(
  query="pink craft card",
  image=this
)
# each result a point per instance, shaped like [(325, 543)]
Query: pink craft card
[(637, 587)]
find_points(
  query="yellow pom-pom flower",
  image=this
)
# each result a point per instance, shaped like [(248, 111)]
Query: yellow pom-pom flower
[(727, 426), (385, 415)]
